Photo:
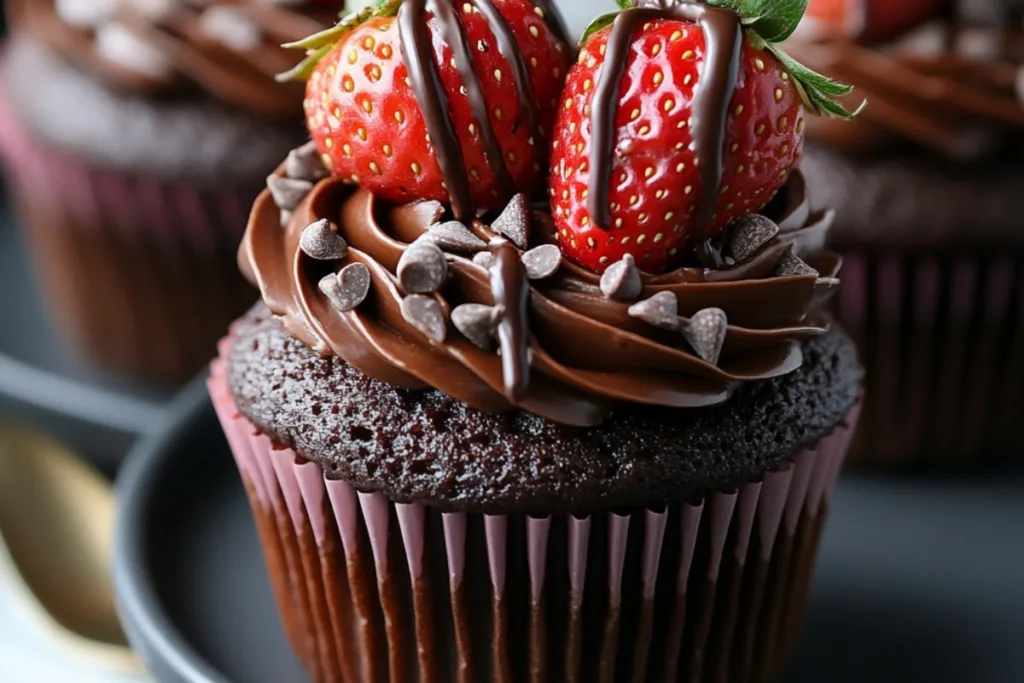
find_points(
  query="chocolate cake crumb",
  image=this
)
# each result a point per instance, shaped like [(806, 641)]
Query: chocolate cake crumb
[(428, 447)]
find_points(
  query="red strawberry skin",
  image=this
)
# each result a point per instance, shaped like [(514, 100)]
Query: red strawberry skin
[(364, 117), (655, 179)]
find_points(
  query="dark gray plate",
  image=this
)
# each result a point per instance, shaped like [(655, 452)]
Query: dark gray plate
[(44, 382), (918, 580)]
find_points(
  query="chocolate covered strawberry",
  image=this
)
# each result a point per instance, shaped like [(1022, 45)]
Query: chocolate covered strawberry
[(675, 121), (866, 20), (435, 99)]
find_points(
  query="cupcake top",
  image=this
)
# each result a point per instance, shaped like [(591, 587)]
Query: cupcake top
[(948, 85), (230, 50), (675, 258)]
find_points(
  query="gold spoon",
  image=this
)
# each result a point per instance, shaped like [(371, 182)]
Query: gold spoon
[(57, 523)]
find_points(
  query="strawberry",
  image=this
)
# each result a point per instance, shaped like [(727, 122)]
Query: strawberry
[(368, 123), (867, 20), (655, 176)]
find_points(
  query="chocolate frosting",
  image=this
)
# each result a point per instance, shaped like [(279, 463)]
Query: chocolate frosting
[(568, 352), (231, 50), (950, 88)]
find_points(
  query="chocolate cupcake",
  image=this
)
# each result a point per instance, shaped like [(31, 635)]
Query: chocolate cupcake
[(929, 218), (134, 137), (481, 442)]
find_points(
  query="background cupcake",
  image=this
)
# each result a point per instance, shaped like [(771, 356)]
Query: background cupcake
[(134, 136), (926, 185), (484, 439)]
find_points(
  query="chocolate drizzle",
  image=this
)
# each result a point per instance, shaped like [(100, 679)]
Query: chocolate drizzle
[(565, 350), (724, 39), (510, 290), (417, 50)]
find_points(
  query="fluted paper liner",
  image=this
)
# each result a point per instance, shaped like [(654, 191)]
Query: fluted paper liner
[(138, 273), (373, 591), (941, 336)]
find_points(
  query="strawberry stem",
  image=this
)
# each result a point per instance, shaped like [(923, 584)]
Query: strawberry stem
[(319, 44)]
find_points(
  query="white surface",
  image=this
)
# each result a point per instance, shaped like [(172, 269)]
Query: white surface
[(29, 653)]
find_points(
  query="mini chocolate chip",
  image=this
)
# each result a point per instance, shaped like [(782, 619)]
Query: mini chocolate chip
[(288, 192), (660, 310), (706, 333), (347, 288), (541, 262), (483, 259), (791, 264), (748, 234), (303, 163), (453, 235), (514, 221), (621, 281), (320, 240), (422, 268), (426, 315), (477, 322)]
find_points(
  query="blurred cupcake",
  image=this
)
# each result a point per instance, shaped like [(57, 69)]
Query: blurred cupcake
[(135, 135), (480, 440), (930, 216)]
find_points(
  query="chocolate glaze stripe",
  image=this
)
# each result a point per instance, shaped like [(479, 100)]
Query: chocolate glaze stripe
[(510, 289), (509, 49), (553, 18), (417, 51), (453, 34), (710, 105)]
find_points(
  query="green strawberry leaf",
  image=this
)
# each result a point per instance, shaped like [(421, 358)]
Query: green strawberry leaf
[(319, 44), (624, 4), (598, 24), (769, 22), (779, 19), (817, 91)]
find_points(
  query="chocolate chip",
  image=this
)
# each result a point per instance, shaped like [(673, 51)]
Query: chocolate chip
[(791, 264), (706, 333), (477, 322), (541, 262), (303, 163), (621, 281), (347, 288), (660, 310), (320, 240), (748, 234), (422, 268), (514, 221), (483, 259), (288, 192), (453, 235), (426, 315)]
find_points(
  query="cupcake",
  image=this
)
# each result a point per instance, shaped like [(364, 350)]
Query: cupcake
[(134, 137), (485, 438), (926, 189)]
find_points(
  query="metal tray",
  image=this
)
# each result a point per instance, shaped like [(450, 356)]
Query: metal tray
[(919, 580)]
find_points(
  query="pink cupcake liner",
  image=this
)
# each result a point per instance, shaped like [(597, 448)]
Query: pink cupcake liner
[(138, 273), (940, 335), (372, 590)]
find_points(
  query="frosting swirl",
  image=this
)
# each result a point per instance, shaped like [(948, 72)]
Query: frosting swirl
[(586, 344), (948, 87), (230, 49)]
